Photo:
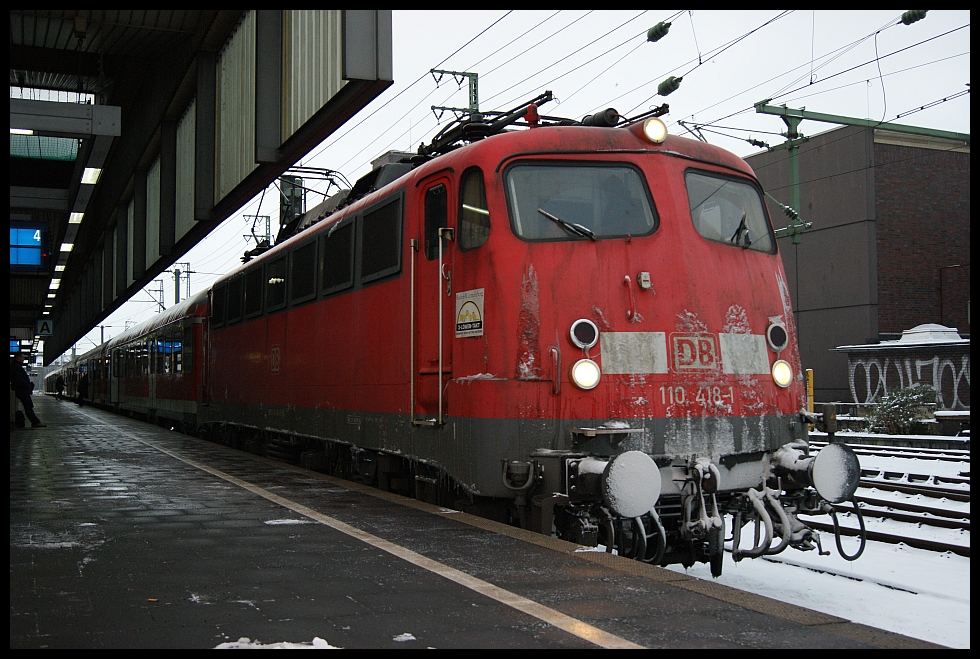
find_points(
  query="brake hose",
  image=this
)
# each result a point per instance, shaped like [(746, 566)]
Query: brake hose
[(864, 533)]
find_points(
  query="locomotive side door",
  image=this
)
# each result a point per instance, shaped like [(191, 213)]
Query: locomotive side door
[(432, 301)]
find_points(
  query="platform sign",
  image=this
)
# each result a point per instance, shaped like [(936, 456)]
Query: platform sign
[(28, 247), (45, 327)]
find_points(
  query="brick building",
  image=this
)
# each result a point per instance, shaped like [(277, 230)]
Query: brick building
[(889, 248)]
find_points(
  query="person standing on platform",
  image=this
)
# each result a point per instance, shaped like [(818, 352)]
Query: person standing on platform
[(60, 386), (82, 389), (21, 383)]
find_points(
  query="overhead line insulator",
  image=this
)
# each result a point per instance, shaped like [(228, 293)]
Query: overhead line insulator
[(913, 15), (669, 86), (658, 31)]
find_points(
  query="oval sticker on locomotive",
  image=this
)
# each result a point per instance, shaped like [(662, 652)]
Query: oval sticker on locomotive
[(469, 313), (695, 351)]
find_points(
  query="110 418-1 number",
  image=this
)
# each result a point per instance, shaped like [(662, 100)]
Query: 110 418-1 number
[(705, 395)]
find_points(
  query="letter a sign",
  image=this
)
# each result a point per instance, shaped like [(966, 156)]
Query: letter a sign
[(45, 327)]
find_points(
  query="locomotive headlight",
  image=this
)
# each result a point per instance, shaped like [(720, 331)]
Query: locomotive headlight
[(585, 374), (782, 373), (584, 333), (655, 130)]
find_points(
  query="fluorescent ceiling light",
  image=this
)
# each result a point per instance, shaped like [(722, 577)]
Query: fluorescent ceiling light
[(66, 247), (52, 295), (55, 283), (21, 131), (76, 218), (59, 268), (91, 175)]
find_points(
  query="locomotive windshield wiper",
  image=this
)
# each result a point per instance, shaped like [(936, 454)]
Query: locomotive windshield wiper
[(570, 226), (742, 230)]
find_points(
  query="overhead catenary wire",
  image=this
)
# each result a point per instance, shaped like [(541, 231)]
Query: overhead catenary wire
[(822, 80), (565, 57), (711, 54)]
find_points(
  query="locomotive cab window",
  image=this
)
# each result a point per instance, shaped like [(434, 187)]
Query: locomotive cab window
[(728, 211), (474, 214), (572, 201)]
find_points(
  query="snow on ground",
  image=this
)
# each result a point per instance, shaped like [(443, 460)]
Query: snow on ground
[(245, 643), (916, 466), (909, 591), (916, 592)]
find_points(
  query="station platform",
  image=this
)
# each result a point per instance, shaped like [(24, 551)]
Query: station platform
[(124, 534)]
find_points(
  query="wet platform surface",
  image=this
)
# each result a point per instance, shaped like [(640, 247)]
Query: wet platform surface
[(124, 534)]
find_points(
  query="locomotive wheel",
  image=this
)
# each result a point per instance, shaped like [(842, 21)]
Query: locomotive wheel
[(716, 548)]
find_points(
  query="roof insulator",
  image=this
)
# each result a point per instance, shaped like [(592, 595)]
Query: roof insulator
[(913, 15), (605, 119), (658, 31), (669, 86)]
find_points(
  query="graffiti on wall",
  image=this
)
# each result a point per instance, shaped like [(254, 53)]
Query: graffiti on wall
[(873, 376)]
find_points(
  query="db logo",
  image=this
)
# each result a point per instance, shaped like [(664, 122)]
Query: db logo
[(275, 359), (694, 351)]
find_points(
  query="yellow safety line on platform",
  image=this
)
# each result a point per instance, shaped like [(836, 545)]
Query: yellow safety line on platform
[(546, 614)]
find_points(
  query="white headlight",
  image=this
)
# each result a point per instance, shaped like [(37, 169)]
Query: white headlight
[(655, 130), (782, 373), (585, 374)]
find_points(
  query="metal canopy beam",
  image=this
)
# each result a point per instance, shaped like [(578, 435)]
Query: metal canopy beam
[(65, 119), (782, 111)]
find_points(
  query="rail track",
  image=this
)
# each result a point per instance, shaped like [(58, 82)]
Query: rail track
[(943, 455)]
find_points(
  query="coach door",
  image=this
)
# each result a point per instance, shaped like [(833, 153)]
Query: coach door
[(432, 310), (115, 373)]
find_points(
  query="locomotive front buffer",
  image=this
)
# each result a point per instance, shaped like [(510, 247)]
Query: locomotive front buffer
[(664, 510)]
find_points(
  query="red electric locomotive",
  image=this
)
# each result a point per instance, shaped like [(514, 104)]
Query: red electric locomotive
[(580, 327), (583, 329)]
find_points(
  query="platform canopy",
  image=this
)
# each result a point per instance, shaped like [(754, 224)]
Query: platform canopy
[(134, 133)]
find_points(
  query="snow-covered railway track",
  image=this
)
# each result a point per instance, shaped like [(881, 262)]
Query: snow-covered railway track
[(881, 536), (908, 488), (881, 511), (942, 455)]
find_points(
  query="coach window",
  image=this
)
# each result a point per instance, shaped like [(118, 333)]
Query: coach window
[(144, 350), (218, 305), (474, 215), (161, 358), (729, 211), (302, 273), (436, 217), (235, 294), (275, 286), (166, 345), (177, 350), (130, 362), (337, 257), (187, 348), (253, 291), (381, 241)]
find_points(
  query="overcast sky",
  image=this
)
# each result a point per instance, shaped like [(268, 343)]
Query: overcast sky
[(824, 61)]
